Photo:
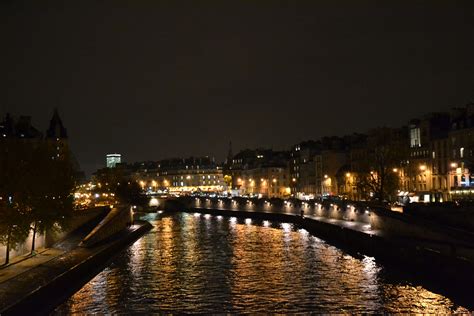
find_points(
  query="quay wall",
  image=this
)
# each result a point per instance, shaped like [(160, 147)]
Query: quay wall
[(53, 282), (80, 218), (402, 228), (389, 250), (115, 221)]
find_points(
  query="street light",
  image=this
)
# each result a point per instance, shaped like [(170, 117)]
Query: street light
[(422, 167)]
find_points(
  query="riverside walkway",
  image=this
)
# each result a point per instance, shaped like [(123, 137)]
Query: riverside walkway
[(40, 283), (311, 213), (25, 263)]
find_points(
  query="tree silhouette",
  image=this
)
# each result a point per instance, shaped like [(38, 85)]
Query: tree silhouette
[(35, 191), (49, 201), (386, 150)]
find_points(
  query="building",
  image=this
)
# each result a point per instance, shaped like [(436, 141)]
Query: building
[(459, 162), (261, 172), (302, 168), (18, 132), (426, 170), (182, 175), (314, 166), (19, 129), (56, 136), (113, 159)]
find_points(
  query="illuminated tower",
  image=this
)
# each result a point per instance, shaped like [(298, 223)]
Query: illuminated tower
[(113, 160)]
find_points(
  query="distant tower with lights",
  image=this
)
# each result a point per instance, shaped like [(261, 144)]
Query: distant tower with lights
[(113, 159)]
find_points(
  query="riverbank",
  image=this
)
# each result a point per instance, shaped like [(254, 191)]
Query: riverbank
[(43, 287), (444, 274)]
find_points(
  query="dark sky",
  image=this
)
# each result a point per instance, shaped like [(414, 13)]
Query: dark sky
[(158, 79)]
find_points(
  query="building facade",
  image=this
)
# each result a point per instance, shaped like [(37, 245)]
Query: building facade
[(183, 176), (261, 172)]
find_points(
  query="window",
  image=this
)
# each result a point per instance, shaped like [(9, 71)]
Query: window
[(461, 152)]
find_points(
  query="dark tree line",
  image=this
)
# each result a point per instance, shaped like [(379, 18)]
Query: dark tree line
[(35, 191)]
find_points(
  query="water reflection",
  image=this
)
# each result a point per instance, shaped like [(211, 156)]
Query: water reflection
[(199, 264)]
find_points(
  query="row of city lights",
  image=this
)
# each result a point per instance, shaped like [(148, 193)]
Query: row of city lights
[(287, 203)]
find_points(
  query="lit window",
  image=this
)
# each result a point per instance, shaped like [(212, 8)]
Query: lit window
[(461, 152)]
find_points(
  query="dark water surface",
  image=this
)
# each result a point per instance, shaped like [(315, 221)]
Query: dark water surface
[(200, 263)]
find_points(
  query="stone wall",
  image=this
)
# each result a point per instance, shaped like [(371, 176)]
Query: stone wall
[(80, 218), (116, 220), (459, 216), (392, 225)]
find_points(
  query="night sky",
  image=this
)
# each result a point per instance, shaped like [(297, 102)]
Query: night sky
[(160, 79)]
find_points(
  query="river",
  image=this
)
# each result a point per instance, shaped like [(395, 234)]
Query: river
[(192, 263)]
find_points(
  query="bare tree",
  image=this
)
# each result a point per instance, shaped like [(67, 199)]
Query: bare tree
[(385, 151)]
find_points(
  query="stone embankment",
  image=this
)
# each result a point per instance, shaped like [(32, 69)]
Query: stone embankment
[(396, 238), (41, 288), (79, 219)]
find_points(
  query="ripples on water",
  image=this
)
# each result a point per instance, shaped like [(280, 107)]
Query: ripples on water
[(200, 263)]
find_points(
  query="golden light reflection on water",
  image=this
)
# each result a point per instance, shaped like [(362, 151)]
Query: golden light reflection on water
[(199, 264)]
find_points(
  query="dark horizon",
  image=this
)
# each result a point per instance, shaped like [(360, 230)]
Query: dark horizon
[(163, 80)]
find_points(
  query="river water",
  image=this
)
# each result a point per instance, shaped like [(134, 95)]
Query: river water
[(192, 263)]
